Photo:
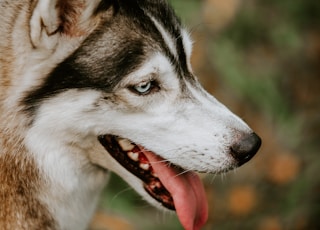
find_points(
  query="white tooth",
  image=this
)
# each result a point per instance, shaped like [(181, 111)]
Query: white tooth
[(155, 184), (144, 166), (154, 174), (133, 156), (158, 185), (125, 145)]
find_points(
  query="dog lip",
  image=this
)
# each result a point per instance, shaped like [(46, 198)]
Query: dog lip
[(131, 157)]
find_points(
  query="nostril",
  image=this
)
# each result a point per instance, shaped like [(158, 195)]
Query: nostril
[(246, 148)]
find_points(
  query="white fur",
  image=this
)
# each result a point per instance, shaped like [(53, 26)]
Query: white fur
[(187, 42), (73, 184), (166, 37)]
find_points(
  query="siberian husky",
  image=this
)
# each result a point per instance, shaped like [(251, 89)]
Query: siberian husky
[(93, 86)]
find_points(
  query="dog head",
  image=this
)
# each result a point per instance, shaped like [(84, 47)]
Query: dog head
[(116, 85)]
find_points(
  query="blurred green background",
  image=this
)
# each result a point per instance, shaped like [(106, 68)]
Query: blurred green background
[(261, 58)]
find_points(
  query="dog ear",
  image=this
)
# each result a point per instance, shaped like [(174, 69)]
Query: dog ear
[(71, 18)]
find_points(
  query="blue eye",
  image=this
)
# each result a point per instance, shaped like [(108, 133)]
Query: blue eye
[(145, 88)]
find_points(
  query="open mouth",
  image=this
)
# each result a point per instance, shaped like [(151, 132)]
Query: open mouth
[(131, 157), (172, 187)]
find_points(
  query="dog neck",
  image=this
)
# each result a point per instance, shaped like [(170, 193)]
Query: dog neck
[(19, 206), (46, 188)]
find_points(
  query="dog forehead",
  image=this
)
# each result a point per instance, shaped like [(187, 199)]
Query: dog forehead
[(156, 23), (139, 30), (139, 26)]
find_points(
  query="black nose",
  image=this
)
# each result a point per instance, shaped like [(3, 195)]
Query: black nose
[(245, 148)]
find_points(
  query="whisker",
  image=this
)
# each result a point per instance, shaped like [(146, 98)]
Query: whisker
[(213, 177), (183, 172), (120, 193)]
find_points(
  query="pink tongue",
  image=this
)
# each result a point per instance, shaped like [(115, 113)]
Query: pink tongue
[(186, 190)]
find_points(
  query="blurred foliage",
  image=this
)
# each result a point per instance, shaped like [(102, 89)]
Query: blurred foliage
[(262, 60)]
